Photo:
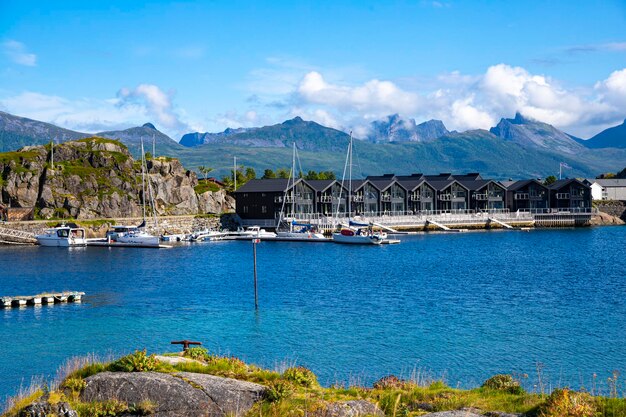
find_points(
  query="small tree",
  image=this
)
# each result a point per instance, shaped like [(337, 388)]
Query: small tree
[(250, 174), (268, 173), (205, 170), (549, 180)]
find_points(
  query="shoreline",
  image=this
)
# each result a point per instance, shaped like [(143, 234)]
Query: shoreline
[(173, 384)]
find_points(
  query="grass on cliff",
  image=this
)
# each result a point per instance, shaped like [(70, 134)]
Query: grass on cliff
[(204, 186), (99, 140), (295, 391)]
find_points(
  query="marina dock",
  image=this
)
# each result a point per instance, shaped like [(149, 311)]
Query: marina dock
[(39, 299)]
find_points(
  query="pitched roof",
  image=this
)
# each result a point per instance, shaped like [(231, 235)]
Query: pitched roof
[(469, 176), (558, 184), (441, 184), (271, 185), (411, 183), (320, 185), (516, 185), (610, 182), (440, 177)]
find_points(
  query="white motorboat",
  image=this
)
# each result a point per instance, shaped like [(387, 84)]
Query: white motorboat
[(300, 231), (254, 232), (174, 237), (132, 235), (63, 235), (207, 235)]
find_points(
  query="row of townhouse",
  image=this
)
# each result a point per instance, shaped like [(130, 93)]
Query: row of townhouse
[(408, 194)]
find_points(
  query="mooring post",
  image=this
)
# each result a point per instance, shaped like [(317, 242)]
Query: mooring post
[(256, 292)]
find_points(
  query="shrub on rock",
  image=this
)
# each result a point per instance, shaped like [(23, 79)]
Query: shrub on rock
[(503, 382)]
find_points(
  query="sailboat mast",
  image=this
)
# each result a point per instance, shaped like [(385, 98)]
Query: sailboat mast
[(293, 182), (143, 183), (350, 177)]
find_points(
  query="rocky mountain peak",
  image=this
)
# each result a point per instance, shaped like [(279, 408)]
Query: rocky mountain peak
[(530, 133), (397, 129), (295, 121), (149, 126), (518, 119)]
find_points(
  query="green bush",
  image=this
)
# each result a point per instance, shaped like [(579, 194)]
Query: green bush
[(567, 403), (135, 362), (504, 382), (74, 384), (301, 376), (143, 408), (279, 390), (197, 353), (109, 408), (389, 381)]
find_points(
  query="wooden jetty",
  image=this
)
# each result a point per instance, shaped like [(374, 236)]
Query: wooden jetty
[(45, 298)]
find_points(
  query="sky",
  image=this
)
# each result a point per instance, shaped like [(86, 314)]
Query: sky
[(207, 65)]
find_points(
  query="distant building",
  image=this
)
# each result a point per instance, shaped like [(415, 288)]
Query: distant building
[(569, 194), (526, 195), (263, 200), (607, 189)]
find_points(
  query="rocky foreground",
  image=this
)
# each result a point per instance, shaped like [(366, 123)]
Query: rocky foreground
[(197, 384), (98, 178)]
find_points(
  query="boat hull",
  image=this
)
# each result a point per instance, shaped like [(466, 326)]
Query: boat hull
[(62, 243), (357, 239), (300, 236), (139, 240)]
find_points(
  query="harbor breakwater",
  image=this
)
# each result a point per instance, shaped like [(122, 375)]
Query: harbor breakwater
[(97, 228)]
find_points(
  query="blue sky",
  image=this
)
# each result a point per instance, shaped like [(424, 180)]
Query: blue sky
[(205, 66)]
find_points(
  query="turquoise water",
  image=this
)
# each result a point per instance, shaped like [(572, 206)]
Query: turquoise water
[(458, 306)]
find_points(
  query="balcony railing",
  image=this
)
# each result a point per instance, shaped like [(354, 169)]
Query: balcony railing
[(481, 197), (562, 196)]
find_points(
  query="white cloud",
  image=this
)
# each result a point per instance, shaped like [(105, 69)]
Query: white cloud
[(613, 89), (131, 107), (465, 101), (374, 98), (16, 52), (468, 116), (156, 103)]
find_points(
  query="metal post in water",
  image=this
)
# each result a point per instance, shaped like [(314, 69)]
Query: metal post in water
[(256, 292)]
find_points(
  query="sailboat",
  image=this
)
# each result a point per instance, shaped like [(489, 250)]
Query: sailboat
[(355, 233), (295, 230), (137, 235)]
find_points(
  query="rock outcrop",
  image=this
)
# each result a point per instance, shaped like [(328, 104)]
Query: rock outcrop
[(358, 408), (45, 409), (177, 395), (602, 219), (470, 412), (95, 178)]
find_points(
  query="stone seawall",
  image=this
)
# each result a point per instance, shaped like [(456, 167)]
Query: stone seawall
[(614, 208), (98, 227)]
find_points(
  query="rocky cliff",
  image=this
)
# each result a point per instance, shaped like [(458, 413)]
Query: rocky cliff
[(97, 177)]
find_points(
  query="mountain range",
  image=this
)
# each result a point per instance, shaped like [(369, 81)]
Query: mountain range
[(517, 147)]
